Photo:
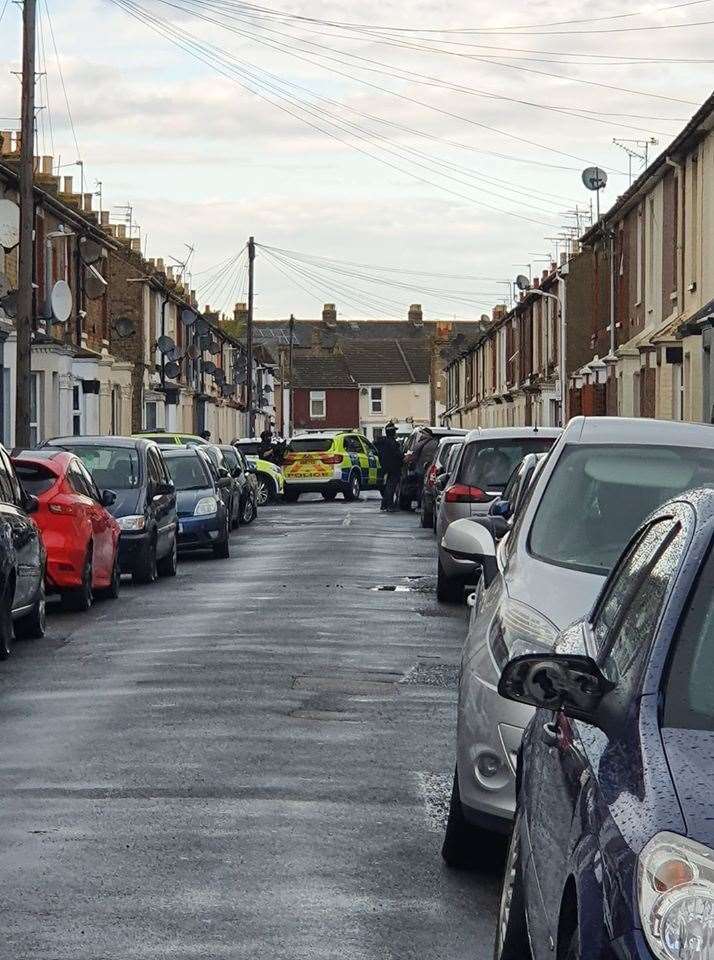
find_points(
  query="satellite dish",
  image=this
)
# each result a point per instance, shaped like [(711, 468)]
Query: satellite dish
[(9, 224), (193, 352), (164, 344), (89, 251), (95, 286), (219, 375), (209, 367), (124, 327), (61, 301), (172, 370), (174, 354), (268, 389), (188, 317), (594, 178), (215, 347), (202, 327), (485, 318), (522, 282), (9, 304)]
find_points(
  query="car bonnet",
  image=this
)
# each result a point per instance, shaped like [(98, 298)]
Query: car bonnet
[(559, 593), (690, 755)]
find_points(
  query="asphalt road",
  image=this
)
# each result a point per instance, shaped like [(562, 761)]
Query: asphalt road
[(252, 760)]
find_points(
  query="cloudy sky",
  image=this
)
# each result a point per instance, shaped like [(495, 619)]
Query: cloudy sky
[(385, 153)]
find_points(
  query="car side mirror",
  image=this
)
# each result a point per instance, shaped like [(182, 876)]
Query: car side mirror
[(223, 472), (500, 508), (108, 498), (30, 503), (223, 481), (468, 540), (441, 481), (572, 683)]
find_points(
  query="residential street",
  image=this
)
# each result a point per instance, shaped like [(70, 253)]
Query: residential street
[(250, 761)]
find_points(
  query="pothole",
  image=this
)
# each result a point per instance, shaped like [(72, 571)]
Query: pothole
[(391, 588)]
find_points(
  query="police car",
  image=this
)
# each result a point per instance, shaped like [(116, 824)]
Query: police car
[(331, 462)]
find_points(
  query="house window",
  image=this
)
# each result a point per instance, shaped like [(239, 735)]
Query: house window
[(35, 409), (318, 404), (150, 415), (375, 399), (638, 255), (77, 411)]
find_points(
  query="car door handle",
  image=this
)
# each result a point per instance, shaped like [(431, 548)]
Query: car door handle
[(549, 734)]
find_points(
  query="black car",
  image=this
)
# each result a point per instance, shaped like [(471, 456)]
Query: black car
[(227, 485), (245, 495), (203, 518), (419, 452), (145, 507), (22, 562)]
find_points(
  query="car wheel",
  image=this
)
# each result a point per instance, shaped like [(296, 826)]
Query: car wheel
[(222, 549), (7, 632), (464, 846), (291, 496), (249, 510), (511, 933), (404, 501), (168, 565), (426, 516), (354, 488), (82, 597), (32, 627), (447, 590), (112, 591), (265, 493), (329, 494), (146, 570)]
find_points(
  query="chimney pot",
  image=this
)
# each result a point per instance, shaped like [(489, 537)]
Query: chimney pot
[(240, 312), (67, 185), (47, 166), (160, 264), (329, 315), (87, 205), (105, 218)]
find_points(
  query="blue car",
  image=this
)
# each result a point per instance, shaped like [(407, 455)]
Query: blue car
[(204, 522), (612, 850)]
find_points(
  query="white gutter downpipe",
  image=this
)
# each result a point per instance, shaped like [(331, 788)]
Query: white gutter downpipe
[(676, 165)]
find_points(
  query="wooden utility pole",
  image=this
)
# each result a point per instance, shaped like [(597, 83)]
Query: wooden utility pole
[(25, 295), (249, 338), (290, 375)]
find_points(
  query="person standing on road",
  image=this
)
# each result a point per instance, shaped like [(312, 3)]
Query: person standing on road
[(391, 458)]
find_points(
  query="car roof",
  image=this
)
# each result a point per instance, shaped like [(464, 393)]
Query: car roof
[(639, 430), (323, 435), (441, 431), (138, 443), (512, 433), (44, 453), (180, 450), (451, 439)]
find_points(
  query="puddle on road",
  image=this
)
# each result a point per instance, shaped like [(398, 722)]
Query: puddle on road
[(390, 588)]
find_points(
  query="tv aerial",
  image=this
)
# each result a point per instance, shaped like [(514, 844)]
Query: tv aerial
[(595, 179)]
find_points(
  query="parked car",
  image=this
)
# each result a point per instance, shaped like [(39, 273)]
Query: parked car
[(80, 536), (246, 501), (444, 451), (452, 457), (22, 561), (165, 439), (612, 851), (269, 476), (419, 452), (485, 463), (228, 485), (598, 483), (331, 462), (145, 508), (204, 521)]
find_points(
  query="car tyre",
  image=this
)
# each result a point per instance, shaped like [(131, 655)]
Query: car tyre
[(81, 598), (511, 932), (222, 549), (329, 494), (146, 570), (168, 565), (112, 591), (291, 496), (353, 489), (426, 516), (7, 630), (266, 493), (33, 626), (250, 510), (447, 590)]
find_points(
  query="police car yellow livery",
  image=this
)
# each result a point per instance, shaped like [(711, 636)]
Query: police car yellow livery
[(340, 461)]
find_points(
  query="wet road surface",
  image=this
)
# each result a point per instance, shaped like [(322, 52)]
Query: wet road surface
[(251, 760)]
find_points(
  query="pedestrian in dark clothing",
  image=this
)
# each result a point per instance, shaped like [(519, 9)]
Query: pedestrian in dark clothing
[(391, 458)]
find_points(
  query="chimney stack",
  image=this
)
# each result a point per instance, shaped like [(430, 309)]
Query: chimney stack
[(104, 219), (240, 313), (87, 205), (415, 315), (67, 185), (136, 244), (160, 264), (47, 166), (121, 231), (499, 312), (329, 315)]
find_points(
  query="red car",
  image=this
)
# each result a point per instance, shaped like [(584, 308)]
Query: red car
[(81, 537)]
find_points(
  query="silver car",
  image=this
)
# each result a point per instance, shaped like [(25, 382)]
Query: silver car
[(602, 478), (477, 478)]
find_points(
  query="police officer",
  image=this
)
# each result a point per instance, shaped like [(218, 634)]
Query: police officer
[(391, 458)]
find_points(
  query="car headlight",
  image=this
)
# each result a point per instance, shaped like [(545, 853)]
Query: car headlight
[(518, 629), (131, 522), (205, 506), (675, 892)]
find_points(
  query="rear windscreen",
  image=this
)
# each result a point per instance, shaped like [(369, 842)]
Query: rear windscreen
[(311, 445), (34, 479), (250, 449), (489, 463)]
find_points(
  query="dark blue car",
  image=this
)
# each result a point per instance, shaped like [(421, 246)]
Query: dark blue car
[(612, 851), (203, 519)]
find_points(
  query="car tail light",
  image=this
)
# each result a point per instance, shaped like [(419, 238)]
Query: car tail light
[(461, 493), (332, 458), (431, 475)]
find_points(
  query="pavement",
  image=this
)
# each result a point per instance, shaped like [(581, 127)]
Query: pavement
[(252, 760)]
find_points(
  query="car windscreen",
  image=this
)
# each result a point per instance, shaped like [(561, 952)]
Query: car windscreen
[(113, 468), (488, 464), (689, 692), (34, 478), (597, 496), (250, 449), (188, 472), (310, 445)]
